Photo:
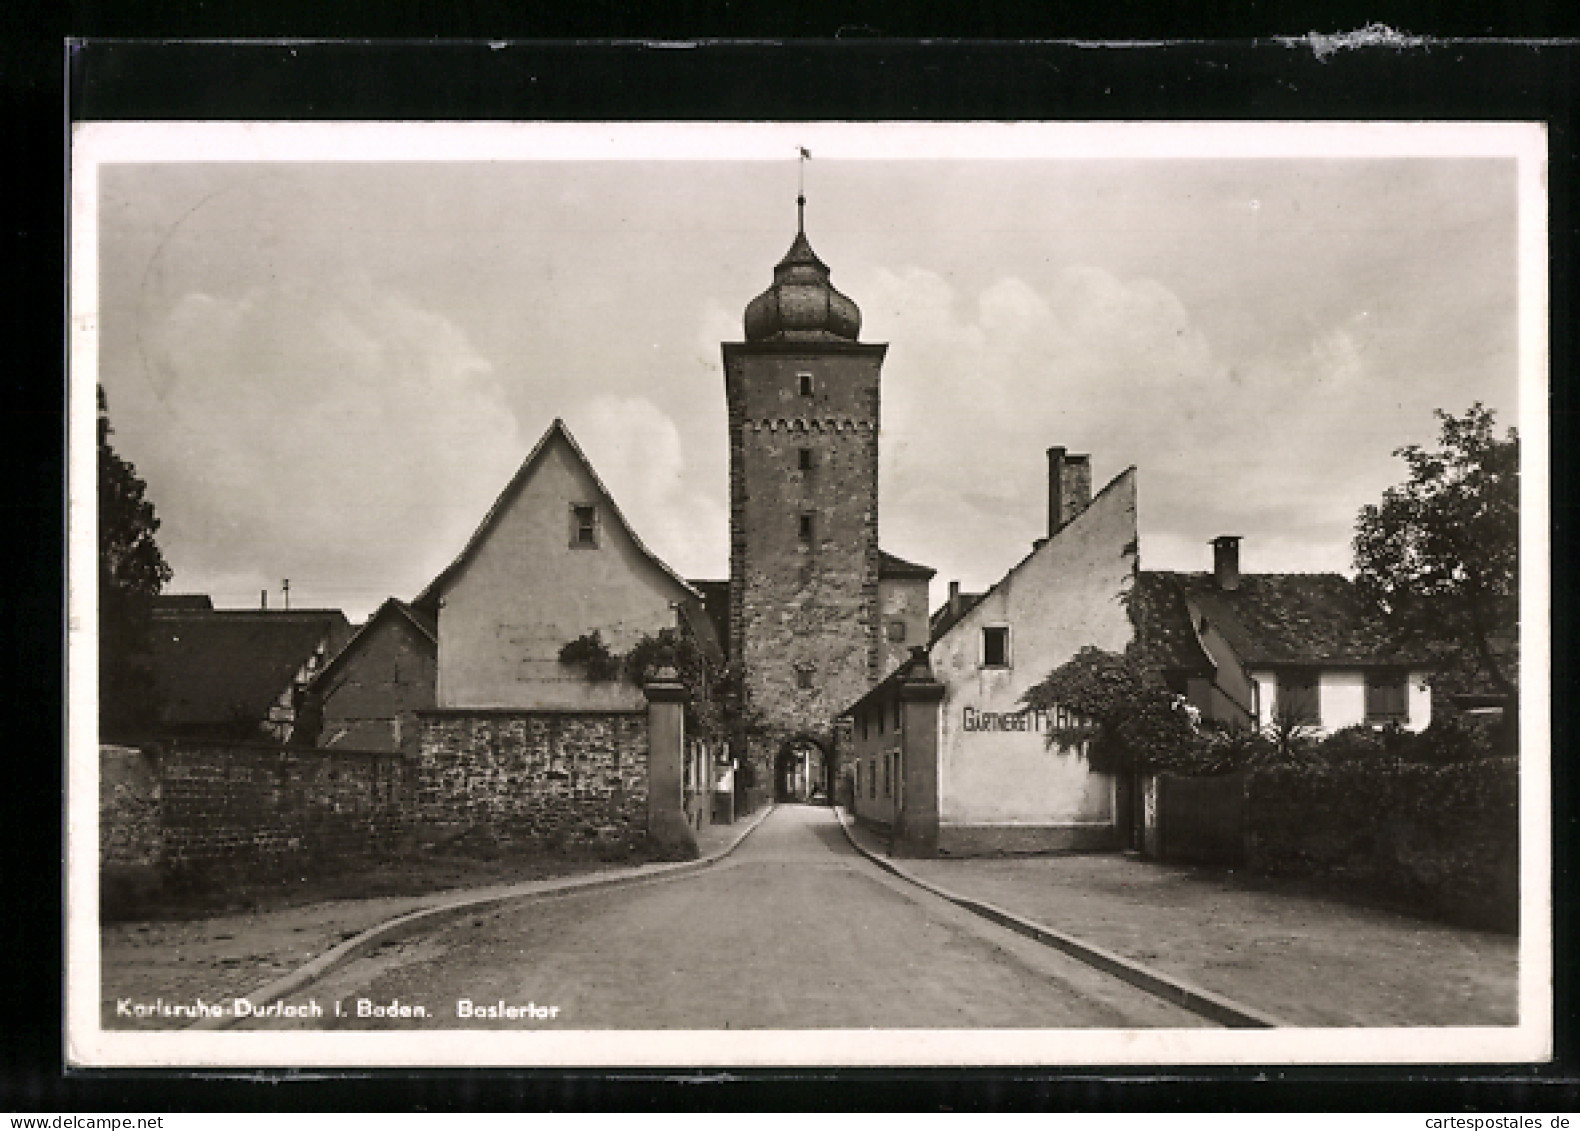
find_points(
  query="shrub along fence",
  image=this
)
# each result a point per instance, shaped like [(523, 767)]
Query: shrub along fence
[(1442, 840)]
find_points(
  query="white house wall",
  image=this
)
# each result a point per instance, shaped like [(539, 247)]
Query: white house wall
[(1065, 596), (1341, 699), (526, 591), (1420, 701)]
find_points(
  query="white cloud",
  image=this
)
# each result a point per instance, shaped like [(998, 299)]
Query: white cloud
[(637, 451), (977, 386), (309, 428)]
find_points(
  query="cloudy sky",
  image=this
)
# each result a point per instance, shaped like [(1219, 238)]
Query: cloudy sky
[(326, 370)]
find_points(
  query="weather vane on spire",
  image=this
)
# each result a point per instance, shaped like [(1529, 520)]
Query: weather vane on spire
[(800, 195)]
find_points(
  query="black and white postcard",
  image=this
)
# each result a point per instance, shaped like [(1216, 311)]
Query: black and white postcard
[(592, 594)]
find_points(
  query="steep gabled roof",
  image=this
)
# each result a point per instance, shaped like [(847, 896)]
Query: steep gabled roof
[(716, 603), (428, 598), (891, 566), (391, 608), (942, 623), (694, 616), (1271, 619), (227, 667)]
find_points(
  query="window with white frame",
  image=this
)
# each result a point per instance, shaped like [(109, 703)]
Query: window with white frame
[(995, 646)]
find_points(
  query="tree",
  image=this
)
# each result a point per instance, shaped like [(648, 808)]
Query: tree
[(1131, 721), (1438, 557), (132, 570)]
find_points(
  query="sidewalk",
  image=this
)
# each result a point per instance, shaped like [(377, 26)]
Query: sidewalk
[(229, 956), (1305, 960)]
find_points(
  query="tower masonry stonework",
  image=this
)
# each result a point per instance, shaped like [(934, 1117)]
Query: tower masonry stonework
[(803, 401)]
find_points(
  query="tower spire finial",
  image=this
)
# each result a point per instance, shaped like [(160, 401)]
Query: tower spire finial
[(800, 196)]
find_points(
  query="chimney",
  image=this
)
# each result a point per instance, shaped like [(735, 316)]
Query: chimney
[(1055, 490), (263, 599), (1076, 486), (1069, 487), (954, 598), (1226, 562)]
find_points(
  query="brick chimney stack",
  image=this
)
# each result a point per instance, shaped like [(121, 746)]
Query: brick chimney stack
[(954, 598), (1226, 562), (1069, 487)]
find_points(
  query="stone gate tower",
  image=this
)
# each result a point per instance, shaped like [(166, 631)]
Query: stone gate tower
[(804, 561)]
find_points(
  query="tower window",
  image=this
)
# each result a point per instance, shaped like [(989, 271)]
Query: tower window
[(805, 381), (995, 646), (584, 525), (803, 677), (806, 526), (897, 632), (804, 459)]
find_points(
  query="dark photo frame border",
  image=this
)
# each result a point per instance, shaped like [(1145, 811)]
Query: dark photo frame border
[(853, 79)]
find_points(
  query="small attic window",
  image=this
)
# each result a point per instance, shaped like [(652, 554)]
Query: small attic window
[(995, 646), (584, 525), (804, 380)]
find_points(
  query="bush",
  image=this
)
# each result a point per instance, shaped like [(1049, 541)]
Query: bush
[(1442, 839), (1450, 740)]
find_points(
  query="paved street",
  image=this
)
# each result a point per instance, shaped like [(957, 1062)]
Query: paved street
[(794, 930)]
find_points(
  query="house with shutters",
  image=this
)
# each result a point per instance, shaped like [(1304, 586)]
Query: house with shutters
[(1296, 650)]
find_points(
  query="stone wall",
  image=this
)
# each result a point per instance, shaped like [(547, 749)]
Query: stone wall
[(131, 836), (549, 779), (203, 812)]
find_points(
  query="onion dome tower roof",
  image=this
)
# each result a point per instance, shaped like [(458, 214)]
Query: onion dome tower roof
[(801, 305)]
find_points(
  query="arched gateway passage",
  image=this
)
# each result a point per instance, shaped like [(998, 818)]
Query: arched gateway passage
[(801, 771)]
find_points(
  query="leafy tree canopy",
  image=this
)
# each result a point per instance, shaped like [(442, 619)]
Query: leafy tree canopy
[(1132, 722), (132, 571), (1439, 555)]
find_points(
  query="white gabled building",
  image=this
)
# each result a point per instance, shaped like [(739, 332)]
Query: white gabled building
[(552, 561)]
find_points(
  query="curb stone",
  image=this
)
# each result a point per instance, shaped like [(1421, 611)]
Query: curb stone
[(1202, 1002), (410, 923)]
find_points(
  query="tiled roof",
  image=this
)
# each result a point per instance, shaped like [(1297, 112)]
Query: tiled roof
[(182, 602), (694, 615), (942, 619), (1271, 619), (421, 620), (223, 668), (1163, 625), (891, 566), (716, 603)]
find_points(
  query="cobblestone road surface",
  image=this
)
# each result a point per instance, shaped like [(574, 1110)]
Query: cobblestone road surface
[(795, 930)]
